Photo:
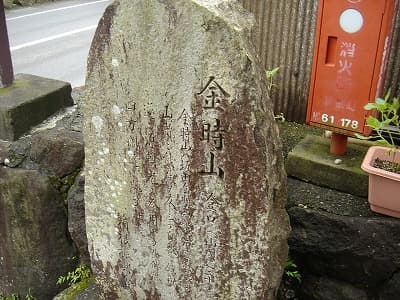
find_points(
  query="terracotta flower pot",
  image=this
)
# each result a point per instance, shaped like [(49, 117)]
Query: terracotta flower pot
[(384, 186)]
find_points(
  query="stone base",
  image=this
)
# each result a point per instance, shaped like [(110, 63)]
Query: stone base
[(28, 102), (343, 250), (311, 161)]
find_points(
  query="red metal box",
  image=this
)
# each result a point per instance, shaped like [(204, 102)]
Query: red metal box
[(351, 47)]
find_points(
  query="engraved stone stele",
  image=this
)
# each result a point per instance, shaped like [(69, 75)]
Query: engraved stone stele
[(185, 186)]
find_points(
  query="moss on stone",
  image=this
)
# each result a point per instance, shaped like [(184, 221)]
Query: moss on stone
[(63, 185), (311, 161), (71, 292), (16, 84), (28, 102)]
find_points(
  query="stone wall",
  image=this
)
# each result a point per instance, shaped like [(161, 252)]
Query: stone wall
[(36, 175), (344, 251)]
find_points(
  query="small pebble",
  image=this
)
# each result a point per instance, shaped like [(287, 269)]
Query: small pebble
[(338, 161), (6, 161)]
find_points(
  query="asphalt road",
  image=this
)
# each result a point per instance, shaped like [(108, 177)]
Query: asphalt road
[(53, 39)]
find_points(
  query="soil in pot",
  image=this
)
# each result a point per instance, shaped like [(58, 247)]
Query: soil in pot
[(387, 165)]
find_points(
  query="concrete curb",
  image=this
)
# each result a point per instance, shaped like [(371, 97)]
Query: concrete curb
[(311, 161)]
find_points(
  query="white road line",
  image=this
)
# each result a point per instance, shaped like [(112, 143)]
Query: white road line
[(56, 9), (54, 37)]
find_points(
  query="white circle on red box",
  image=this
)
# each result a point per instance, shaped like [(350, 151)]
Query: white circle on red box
[(351, 20)]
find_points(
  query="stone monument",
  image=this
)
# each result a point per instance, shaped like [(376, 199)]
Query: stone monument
[(185, 186)]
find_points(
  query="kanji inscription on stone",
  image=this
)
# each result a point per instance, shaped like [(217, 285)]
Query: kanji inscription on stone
[(185, 187)]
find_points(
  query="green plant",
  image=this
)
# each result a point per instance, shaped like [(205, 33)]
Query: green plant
[(384, 127), (280, 118), (28, 296), (11, 297), (269, 74), (82, 272), (270, 77), (291, 270)]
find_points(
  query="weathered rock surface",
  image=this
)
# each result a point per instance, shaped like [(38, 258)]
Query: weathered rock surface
[(316, 288), (76, 218), (91, 292), (185, 187), (60, 150), (29, 101), (60, 136), (391, 290), (341, 245), (4, 148), (362, 251), (288, 289), (34, 248)]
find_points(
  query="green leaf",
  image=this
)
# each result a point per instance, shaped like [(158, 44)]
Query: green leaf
[(374, 123), (395, 105), (271, 73), (370, 106), (381, 104), (387, 96), (275, 70), (382, 107), (384, 143), (396, 102), (80, 273), (60, 280), (380, 101)]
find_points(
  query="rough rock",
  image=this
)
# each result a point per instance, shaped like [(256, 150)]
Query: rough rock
[(336, 236), (4, 148), (288, 289), (17, 153), (306, 195), (185, 186), (362, 251), (391, 290), (60, 151), (91, 292), (34, 248), (50, 133), (76, 218), (318, 288)]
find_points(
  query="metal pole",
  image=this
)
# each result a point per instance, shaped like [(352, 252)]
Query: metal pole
[(338, 144), (6, 67)]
